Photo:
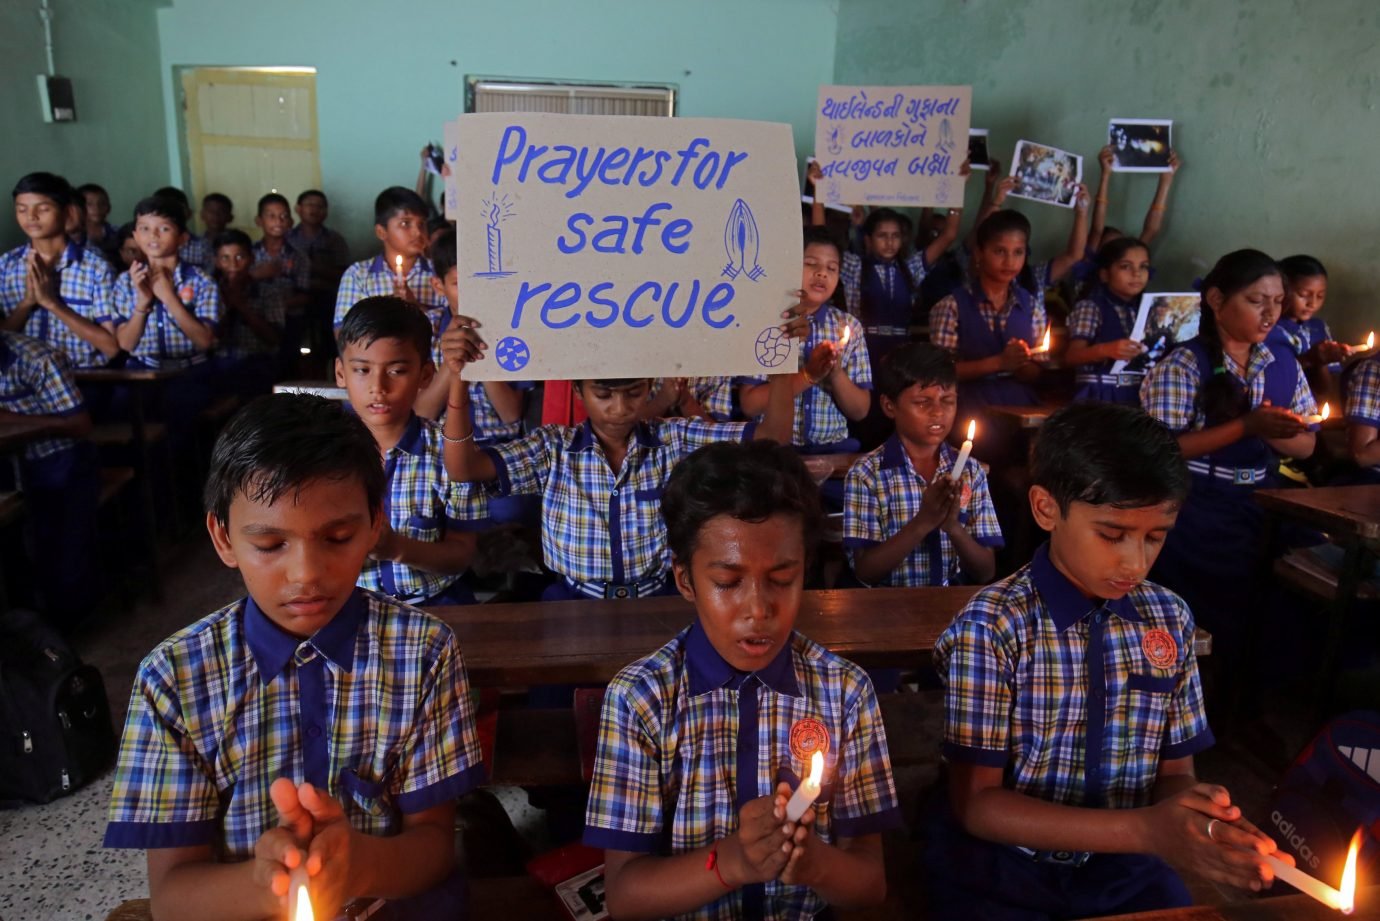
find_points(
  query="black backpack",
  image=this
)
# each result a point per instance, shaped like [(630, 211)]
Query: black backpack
[(55, 730)]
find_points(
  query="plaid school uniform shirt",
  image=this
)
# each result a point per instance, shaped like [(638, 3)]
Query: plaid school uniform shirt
[(883, 492), (598, 526), (1086, 319), (374, 277), (944, 331), (163, 342), (238, 338), (296, 270), (327, 252), (197, 251), (85, 285), (1170, 390), (1078, 700), (850, 276), (817, 420), (685, 741), (420, 502), (374, 708), (36, 380), (1363, 394), (715, 396)]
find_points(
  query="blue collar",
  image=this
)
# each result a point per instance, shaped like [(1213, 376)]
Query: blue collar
[(273, 647), (894, 455), (1065, 603), (709, 671), (411, 440), (1106, 295), (585, 439)]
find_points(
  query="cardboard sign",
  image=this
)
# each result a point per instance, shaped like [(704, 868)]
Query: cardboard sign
[(450, 136), (625, 246), (901, 146)]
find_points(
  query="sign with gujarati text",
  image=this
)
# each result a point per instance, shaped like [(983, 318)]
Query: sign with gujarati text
[(899, 146), (627, 246), (450, 135)]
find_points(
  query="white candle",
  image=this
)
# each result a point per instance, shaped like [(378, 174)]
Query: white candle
[(299, 903), (1367, 345), (808, 791), (1305, 883), (397, 267), (843, 340), (963, 452), (1044, 344), (1320, 417)]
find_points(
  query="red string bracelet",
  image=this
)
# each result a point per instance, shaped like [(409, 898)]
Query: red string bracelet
[(712, 863)]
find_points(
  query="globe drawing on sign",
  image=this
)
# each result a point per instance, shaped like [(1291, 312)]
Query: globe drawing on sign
[(512, 353), (772, 347)]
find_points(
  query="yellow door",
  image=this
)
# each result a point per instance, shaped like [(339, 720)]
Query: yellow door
[(250, 131)]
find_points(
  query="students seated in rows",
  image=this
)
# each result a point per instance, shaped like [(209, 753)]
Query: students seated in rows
[(193, 250), (58, 475), (601, 481), (400, 225), (100, 233), (1101, 324), (276, 261), (1303, 330), (1072, 705), (906, 521), (326, 249), (251, 327), (310, 722), (52, 288), (428, 535), (834, 383), (1083, 272), (702, 742)]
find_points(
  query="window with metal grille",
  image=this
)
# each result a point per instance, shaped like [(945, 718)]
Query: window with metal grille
[(497, 95)]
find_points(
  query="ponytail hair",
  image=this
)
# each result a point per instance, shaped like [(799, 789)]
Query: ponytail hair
[(1223, 398)]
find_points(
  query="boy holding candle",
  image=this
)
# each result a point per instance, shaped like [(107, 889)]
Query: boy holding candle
[(702, 743), (1073, 707), (401, 269), (312, 723), (912, 515)]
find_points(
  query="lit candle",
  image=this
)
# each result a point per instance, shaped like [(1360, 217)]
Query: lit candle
[(397, 267), (1343, 899), (843, 340), (1315, 419), (1044, 344), (963, 452), (808, 791), (299, 903), (1369, 344)]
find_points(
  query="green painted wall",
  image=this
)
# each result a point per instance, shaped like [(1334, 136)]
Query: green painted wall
[(1274, 101), (109, 49), (388, 76)]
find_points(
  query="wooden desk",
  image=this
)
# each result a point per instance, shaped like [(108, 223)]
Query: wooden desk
[(588, 641), (17, 433), (314, 388), (1027, 417), (1284, 908), (125, 375)]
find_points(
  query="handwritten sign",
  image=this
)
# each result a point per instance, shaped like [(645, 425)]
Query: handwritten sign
[(893, 145), (627, 246), (450, 135)]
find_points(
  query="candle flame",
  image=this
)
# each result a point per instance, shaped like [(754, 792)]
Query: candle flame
[(817, 771), (1044, 344), (397, 262), (972, 428), (1347, 891), (847, 334), (494, 215), (1370, 341), (1326, 410), (301, 910)]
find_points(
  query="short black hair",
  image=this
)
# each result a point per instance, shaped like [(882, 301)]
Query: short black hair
[(879, 216), (396, 200), (385, 317), (1113, 251), (749, 481), (820, 236), (49, 185), (93, 188), (1294, 268), (1002, 222), (176, 194), (232, 237), (219, 198), (79, 199), (914, 363), (1108, 454), (443, 252), (164, 207), (609, 381), (280, 443), (273, 198), (310, 193)]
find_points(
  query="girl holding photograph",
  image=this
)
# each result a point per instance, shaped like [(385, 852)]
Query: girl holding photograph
[(1101, 324)]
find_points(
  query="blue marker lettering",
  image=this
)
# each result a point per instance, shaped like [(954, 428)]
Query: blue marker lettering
[(614, 161), (581, 218), (674, 322), (690, 152), (514, 132), (704, 171), (526, 293), (628, 317), (611, 239), (567, 295), (596, 296), (646, 179), (556, 171), (648, 219), (731, 159), (720, 296), (673, 237)]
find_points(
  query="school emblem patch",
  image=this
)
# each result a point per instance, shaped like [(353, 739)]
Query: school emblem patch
[(966, 495), (807, 737), (1159, 648)]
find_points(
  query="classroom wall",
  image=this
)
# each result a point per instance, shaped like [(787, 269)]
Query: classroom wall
[(1274, 104), (387, 77), (109, 49)]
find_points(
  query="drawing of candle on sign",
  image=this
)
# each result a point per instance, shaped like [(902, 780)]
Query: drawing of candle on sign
[(741, 242), (495, 211)]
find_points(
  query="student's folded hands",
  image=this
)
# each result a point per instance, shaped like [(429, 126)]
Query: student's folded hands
[(759, 850), (1232, 853), (800, 869), (314, 831)]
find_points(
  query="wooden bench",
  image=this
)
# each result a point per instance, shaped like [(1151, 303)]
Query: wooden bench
[(122, 435)]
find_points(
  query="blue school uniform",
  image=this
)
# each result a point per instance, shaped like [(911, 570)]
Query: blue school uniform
[(422, 503), (197, 251), (883, 492), (1213, 555), (245, 364), (1078, 701), (972, 328), (373, 277), (374, 709), (85, 285), (1103, 317), (59, 477), (602, 532), (1362, 386), (686, 740), (882, 295), (163, 343)]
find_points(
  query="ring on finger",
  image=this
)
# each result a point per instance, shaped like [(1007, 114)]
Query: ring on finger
[(1211, 823)]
